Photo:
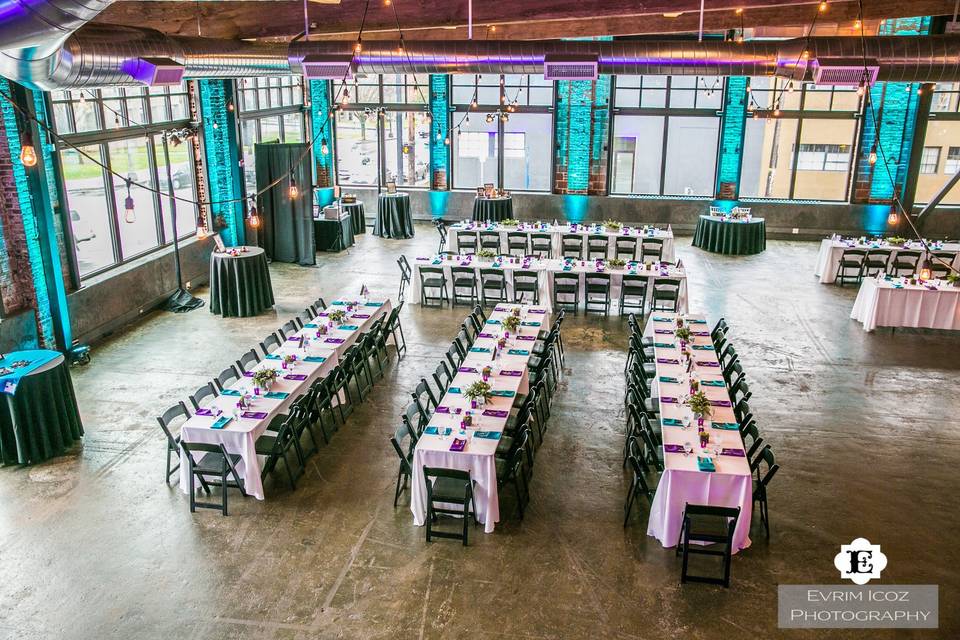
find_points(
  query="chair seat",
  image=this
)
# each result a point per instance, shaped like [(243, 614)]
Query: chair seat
[(629, 290), (212, 463), (708, 529), (503, 447), (448, 490), (433, 282), (652, 405), (463, 282)]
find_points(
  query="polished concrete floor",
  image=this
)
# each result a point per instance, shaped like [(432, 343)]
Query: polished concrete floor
[(95, 545)]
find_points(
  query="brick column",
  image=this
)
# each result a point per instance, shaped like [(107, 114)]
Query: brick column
[(582, 125), (321, 124), (732, 129), (222, 154)]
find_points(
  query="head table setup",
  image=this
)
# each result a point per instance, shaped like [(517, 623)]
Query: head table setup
[(656, 273), (621, 240), (247, 408)]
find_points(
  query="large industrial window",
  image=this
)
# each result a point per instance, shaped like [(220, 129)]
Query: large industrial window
[(665, 133), (799, 140), (357, 148), (940, 158), (929, 160), (270, 110), (122, 128), (406, 148), (505, 135)]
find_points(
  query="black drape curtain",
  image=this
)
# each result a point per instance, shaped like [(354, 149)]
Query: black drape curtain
[(287, 225)]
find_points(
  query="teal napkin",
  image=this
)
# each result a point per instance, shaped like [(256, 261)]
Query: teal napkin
[(348, 327), (339, 303), (230, 392), (373, 304), (309, 325), (273, 356), (221, 422), (503, 393), (479, 350), (518, 352), (704, 347), (453, 390), (726, 426), (493, 322), (664, 345), (315, 359), (671, 422), (669, 379), (661, 319), (568, 268), (705, 464), (712, 383), (487, 435), (277, 395), (434, 431), (696, 321), (530, 323)]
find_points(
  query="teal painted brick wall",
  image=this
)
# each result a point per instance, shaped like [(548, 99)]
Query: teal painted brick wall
[(582, 124), (320, 104), (731, 134), (440, 114), (222, 156)]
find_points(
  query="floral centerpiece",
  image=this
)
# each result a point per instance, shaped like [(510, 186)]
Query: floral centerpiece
[(511, 323), (486, 372), (897, 240), (486, 253), (612, 225), (289, 360), (700, 405), (617, 263), (704, 439), (682, 333), (953, 279), (509, 222), (477, 393), (264, 378), (338, 316)]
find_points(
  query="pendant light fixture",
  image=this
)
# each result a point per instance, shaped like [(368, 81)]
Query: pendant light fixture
[(893, 218), (925, 273), (293, 191), (28, 155), (324, 149), (129, 213), (254, 217)]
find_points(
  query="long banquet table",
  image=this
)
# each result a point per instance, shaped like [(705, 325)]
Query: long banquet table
[(510, 377), (897, 303), (317, 355), (683, 481), (546, 270), (832, 249), (558, 231)]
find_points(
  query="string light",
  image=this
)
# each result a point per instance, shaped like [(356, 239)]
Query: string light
[(293, 191), (129, 214), (28, 155), (856, 25), (254, 217), (872, 158), (324, 149), (823, 7), (739, 11), (925, 270), (357, 48), (446, 141), (894, 217), (230, 106)]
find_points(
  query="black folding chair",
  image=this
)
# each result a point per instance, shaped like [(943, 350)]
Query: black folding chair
[(215, 462), (448, 486), (166, 420), (710, 525)]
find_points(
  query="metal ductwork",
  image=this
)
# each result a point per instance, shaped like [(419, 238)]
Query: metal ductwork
[(44, 23), (102, 55)]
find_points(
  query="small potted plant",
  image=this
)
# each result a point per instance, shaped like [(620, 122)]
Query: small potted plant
[(617, 263), (321, 330), (486, 253), (953, 279), (700, 405), (467, 420), (704, 439), (486, 372), (288, 361), (338, 316), (683, 334), (263, 379), (509, 222), (478, 393), (612, 225), (512, 322)]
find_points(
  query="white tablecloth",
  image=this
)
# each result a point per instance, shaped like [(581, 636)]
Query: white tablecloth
[(682, 482), (556, 236), (241, 434), (831, 250), (546, 270), (478, 457), (880, 304)]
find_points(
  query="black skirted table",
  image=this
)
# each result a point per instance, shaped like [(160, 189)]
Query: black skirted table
[(39, 418), (731, 237), (393, 216), (240, 284), (492, 209), (357, 216), (333, 235)]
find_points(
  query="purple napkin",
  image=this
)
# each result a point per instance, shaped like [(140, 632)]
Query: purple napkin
[(424, 259), (733, 452), (295, 376), (509, 372), (203, 411), (526, 337), (248, 374), (443, 410), (668, 361), (496, 413), (702, 363), (294, 339), (468, 370), (720, 403), (323, 314), (486, 335), (362, 316), (335, 340), (254, 415), (663, 330), (537, 310), (458, 444), (673, 448), (668, 400), (500, 309)]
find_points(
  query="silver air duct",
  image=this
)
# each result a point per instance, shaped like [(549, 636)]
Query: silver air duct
[(106, 55)]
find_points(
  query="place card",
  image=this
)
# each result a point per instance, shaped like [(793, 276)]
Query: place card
[(674, 448), (221, 422), (254, 415), (738, 453), (435, 431), (334, 340), (314, 359), (496, 413), (276, 395), (299, 377), (458, 444), (487, 435)]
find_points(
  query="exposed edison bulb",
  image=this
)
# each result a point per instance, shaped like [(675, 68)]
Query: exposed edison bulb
[(860, 90), (254, 217), (439, 135), (925, 271), (387, 3), (293, 192), (446, 141), (473, 103), (872, 158), (739, 11), (129, 213), (28, 155), (894, 217), (823, 7), (357, 48), (856, 25), (776, 112), (324, 149)]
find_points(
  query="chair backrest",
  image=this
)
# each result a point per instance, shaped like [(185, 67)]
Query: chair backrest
[(247, 360), (665, 284), (567, 278), (405, 271), (270, 341), (207, 390), (478, 311), (493, 277), (853, 255), (731, 514), (227, 376), (404, 462), (288, 329), (750, 431), (424, 394), (598, 240), (441, 376), (197, 447), (320, 304), (453, 474), (167, 417), (416, 417), (464, 339), (517, 239), (437, 271), (635, 282), (597, 279), (466, 239), (767, 458), (441, 226), (472, 321)]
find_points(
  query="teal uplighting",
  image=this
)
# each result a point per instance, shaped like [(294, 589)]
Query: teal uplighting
[(322, 124), (875, 218), (223, 164), (725, 205), (31, 227), (732, 132), (575, 207), (438, 203), (440, 114)]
